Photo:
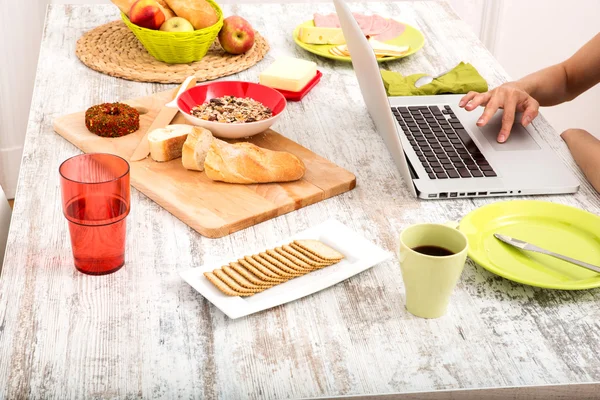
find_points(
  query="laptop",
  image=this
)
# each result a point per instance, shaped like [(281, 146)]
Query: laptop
[(437, 146)]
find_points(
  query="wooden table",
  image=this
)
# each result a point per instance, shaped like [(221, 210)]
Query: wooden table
[(144, 332)]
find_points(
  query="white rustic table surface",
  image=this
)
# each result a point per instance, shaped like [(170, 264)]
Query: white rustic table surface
[(144, 332)]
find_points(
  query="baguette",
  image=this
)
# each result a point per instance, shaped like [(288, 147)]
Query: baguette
[(247, 163), (199, 12), (196, 148), (166, 144), (125, 7)]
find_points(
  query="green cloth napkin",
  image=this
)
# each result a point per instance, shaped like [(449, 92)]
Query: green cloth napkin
[(461, 79)]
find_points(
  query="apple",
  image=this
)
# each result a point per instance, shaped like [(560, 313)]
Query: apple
[(177, 24), (147, 14), (236, 35)]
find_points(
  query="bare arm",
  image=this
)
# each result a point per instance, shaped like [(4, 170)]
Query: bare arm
[(567, 80), (550, 86), (585, 149)]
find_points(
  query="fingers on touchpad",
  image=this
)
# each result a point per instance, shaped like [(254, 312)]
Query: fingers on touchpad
[(519, 138)]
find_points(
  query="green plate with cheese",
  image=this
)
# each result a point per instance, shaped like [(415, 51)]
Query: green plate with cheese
[(411, 37), (559, 228)]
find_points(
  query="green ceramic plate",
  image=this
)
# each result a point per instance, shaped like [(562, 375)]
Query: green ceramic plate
[(562, 229), (411, 37)]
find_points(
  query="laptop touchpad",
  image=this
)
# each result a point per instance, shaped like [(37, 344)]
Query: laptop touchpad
[(519, 138)]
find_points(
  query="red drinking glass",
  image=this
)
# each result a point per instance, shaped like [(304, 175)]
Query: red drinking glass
[(95, 198)]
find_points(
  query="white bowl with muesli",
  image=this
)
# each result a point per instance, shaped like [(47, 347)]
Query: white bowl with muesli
[(232, 109)]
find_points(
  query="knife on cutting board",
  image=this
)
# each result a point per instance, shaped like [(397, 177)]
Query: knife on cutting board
[(530, 247), (164, 118)]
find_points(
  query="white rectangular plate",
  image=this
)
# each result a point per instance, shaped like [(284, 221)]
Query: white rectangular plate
[(360, 254)]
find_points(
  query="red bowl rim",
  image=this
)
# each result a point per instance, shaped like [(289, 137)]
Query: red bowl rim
[(246, 123)]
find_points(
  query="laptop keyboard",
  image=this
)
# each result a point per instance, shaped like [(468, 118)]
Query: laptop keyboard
[(442, 144)]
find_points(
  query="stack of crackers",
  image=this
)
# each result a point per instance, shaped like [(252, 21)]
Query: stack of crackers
[(253, 274)]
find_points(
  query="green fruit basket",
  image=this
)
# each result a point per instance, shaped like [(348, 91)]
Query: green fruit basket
[(177, 47)]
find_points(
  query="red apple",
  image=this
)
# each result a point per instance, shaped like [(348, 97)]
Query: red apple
[(236, 35), (147, 14)]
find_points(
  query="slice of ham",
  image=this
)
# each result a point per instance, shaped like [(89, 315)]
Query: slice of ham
[(364, 22), (372, 25), (331, 21), (326, 21), (393, 30), (379, 25)]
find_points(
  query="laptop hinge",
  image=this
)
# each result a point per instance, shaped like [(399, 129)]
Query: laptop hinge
[(413, 173)]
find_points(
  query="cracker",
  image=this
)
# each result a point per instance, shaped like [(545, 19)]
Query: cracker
[(233, 284), (297, 260), (219, 284), (273, 268), (342, 49), (250, 276), (292, 268), (287, 249), (336, 51), (308, 253), (320, 249), (290, 262), (242, 281), (263, 273)]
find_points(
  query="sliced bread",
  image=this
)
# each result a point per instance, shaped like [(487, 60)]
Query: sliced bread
[(166, 144), (196, 148)]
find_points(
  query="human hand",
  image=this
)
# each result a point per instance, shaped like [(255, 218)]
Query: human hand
[(511, 98)]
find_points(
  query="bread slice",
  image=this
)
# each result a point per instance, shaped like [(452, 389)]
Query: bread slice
[(166, 144), (196, 148), (165, 9), (199, 12), (247, 163), (125, 7)]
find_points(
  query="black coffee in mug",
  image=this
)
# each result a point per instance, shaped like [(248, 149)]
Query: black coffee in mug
[(435, 251)]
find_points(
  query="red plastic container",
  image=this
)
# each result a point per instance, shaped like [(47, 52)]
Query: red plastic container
[(297, 96), (95, 198)]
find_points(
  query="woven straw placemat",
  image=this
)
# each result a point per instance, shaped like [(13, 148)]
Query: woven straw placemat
[(113, 50)]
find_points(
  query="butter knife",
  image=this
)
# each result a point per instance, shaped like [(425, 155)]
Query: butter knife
[(164, 118), (530, 247)]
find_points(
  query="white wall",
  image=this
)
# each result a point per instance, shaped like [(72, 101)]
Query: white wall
[(533, 34), (19, 44)]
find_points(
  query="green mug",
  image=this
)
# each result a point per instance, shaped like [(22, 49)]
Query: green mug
[(429, 279)]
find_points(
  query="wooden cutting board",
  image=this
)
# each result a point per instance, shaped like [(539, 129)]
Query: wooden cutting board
[(213, 209)]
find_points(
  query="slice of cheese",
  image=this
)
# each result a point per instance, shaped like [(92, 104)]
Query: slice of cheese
[(318, 35), (379, 48), (387, 49), (288, 73)]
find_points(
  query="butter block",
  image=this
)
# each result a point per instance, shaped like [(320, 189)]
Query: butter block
[(288, 73), (319, 35)]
